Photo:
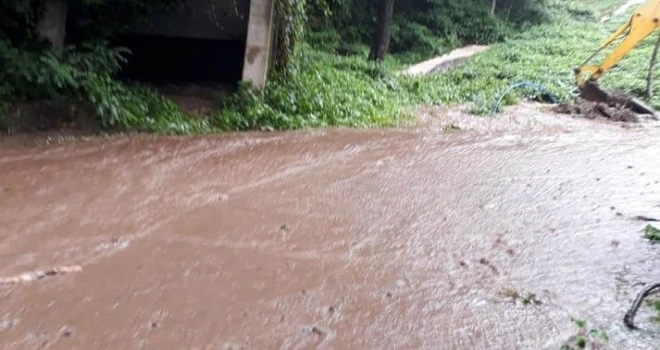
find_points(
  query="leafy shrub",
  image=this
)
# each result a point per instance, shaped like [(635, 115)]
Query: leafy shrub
[(84, 75), (31, 71)]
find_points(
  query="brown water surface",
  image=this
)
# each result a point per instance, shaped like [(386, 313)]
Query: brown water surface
[(334, 239)]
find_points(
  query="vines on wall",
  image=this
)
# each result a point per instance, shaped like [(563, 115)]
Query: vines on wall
[(291, 19)]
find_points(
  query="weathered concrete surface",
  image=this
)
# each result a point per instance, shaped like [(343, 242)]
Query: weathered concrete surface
[(451, 59), (258, 47), (52, 25), (333, 239)]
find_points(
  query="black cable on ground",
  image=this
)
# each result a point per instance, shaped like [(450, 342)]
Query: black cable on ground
[(629, 319)]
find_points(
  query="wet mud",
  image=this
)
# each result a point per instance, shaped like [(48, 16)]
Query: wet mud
[(597, 110), (611, 105), (489, 234)]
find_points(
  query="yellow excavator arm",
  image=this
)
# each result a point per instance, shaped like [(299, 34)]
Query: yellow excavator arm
[(644, 21)]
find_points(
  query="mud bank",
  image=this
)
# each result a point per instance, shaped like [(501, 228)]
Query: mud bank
[(407, 238)]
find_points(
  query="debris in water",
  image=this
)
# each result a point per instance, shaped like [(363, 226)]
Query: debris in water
[(314, 330), (451, 127), (646, 218), (652, 233), (39, 274), (487, 263), (526, 298), (67, 331)]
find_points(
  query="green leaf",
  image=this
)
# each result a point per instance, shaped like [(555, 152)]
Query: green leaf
[(652, 233), (579, 323)]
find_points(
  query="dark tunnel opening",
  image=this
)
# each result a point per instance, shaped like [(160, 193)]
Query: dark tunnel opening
[(181, 47), (172, 60)]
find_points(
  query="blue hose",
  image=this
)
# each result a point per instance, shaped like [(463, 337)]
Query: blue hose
[(518, 85)]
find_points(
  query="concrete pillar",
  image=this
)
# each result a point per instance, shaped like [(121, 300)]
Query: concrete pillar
[(52, 24), (259, 45)]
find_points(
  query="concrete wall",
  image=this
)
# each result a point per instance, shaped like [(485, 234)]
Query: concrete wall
[(215, 27), (251, 21), (259, 44), (52, 25)]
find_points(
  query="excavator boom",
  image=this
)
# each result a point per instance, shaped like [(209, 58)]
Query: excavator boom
[(644, 22)]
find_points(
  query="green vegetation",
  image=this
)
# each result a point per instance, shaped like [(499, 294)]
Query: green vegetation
[(421, 28), (31, 70), (372, 94), (655, 304), (652, 233), (321, 90), (323, 79), (586, 338)]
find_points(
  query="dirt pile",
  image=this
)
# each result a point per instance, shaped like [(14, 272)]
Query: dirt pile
[(615, 105), (594, 110)]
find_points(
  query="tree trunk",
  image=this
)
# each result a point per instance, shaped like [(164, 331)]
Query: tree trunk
[(649, 80), (381, 40), (508, 11), (52, 24), (493, 7)]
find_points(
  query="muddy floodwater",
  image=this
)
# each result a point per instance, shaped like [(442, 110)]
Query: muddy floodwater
[(419, 237)]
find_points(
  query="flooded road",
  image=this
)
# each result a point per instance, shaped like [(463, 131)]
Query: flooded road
[(334, 239)]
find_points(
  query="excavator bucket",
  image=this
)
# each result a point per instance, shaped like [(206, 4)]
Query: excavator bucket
[(590, 91)]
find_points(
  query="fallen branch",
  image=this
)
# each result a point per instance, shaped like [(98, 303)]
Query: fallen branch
[(39, 274)]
